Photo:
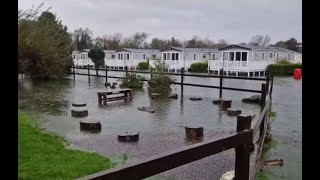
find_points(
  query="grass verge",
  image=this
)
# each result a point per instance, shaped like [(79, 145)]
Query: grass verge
[(44, 156)]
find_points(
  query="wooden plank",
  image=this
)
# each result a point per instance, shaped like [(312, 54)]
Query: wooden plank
[(118, 98), (261, 143), (257, 125), (169, 160)]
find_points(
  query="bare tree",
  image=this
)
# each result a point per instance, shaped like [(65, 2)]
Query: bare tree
[(260, 40)]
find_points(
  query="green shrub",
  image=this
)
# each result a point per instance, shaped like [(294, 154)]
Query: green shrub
[(281, 69), (160, 83), (132, 81), (143, 66), (199, 67), (284, 61)]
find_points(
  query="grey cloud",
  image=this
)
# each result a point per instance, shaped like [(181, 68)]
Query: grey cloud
[(233, 20)]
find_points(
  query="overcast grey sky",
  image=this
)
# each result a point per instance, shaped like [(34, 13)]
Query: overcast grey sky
[(233, 20)]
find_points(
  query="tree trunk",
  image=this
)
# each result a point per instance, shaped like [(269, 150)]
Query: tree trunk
[(97, 72)]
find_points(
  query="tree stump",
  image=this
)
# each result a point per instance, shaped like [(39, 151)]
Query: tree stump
[(225, 104), (195, 98), (90, 125), (107, 84), (154, 95), (128, 137), (147, 109), (194, 133), (253, 99), (233, 112), (114, 84), (216, 101), (173, 96), (79, 104), (79, 112)]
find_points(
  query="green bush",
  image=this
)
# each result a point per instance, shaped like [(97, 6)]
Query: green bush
[(160, 83), (199, 67), (132, 81), (143, 66), (281, 69)]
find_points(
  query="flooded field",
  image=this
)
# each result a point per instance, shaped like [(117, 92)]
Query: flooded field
[(164, 130)]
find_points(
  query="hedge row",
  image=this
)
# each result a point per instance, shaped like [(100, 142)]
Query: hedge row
[(199, 67), (281, 69), (143, 66)]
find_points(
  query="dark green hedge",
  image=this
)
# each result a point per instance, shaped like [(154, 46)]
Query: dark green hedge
[(143, 66), (282, 69), (199, 67)]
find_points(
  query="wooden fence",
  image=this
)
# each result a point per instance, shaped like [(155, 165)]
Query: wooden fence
[(247, 134)]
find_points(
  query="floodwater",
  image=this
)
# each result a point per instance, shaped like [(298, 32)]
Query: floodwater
[(163, 130)]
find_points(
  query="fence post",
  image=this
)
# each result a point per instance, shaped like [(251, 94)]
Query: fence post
[(106, 73), (268, 84), (151, 73), (88, 73), (182, 73), (263, 95), (242, 163), (271, 85), (126, 69), (221, 79), (74, 73)]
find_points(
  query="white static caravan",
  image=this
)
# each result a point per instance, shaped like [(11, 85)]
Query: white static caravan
[(132, 57), (248, 59), (81, 59), (178, 57)]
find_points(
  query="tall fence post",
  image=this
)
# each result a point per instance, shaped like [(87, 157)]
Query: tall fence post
[(151, 73), (242, 164), (220, 86), (106, 73), (268, 84), (88, 73), (73, 72), (182, 77), (271, 85), (263, 95), (126, 70)]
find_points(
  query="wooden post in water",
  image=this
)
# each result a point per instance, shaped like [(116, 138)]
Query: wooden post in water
[(151, 73), (126, 69), (88, 73), (268, 84), (106, 73), (242, 164), (221, 79), (182, 73), (74, 73), (263, 95), (271, 85)]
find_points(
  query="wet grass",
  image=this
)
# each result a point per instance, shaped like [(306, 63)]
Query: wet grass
[(262, 173), (44, 156), (272, 115)]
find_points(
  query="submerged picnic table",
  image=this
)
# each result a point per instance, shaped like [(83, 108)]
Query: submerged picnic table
[(104, 96)]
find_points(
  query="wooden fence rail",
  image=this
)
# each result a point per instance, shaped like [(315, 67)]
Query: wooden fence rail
[(182, 75)]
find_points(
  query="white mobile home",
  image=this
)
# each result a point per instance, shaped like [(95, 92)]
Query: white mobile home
[(81, 59), (132, 57), (178, 57), (249, 59)]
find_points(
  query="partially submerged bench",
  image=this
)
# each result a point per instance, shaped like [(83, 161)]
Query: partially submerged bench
[(108, 96)]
